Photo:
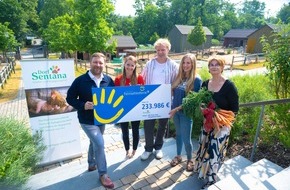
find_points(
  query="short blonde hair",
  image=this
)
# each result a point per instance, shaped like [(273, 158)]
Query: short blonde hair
[(98, 55), (163, 41)]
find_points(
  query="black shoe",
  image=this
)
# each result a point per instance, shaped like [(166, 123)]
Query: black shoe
[(209, 183), (91, 168)]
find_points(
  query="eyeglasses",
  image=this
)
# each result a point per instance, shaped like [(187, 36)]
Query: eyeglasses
[(214, 65)]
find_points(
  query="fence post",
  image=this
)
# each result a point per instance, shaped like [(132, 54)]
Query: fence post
[(1, 82), (232, 65), (106, 69), (257, 132)]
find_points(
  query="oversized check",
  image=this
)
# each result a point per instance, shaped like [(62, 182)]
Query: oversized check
[(131, 103)]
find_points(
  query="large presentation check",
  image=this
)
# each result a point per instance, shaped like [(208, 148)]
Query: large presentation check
[(131, 103)]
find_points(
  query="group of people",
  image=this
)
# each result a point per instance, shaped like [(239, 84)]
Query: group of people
[(159, 70)]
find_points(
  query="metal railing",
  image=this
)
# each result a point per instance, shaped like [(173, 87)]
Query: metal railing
[(260, 122)]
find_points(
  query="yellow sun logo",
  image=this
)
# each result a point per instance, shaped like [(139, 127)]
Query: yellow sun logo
[(102, 100)]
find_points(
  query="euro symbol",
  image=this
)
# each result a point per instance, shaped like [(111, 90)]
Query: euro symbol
[(167, 104)]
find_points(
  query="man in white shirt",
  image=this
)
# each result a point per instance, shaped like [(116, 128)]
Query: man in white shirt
[(159, 70)]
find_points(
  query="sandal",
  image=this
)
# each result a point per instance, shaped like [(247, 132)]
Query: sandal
[(133, 153), (176, 160), (128, 155), (189, 166)]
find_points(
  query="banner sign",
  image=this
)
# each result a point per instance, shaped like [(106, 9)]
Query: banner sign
[(46, 83), (131, 103)]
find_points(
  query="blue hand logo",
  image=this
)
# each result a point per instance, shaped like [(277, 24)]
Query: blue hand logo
[(109, 104)]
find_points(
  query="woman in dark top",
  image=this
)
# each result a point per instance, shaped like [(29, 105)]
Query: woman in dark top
[(213, 144)]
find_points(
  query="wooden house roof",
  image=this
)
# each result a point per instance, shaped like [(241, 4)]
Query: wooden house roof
[(124, 41), (239, 33), (186, 29)]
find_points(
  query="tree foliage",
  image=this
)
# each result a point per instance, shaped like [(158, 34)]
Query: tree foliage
[(284, 14), (60, 34), (21, 15), (52, 9), (252, 14), (94, 31), (7, 38), (197, 35), (25, 17), (278, 60)]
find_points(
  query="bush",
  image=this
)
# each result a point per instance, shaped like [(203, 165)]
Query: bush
[(215, 42), (19, 152), (204, 74)]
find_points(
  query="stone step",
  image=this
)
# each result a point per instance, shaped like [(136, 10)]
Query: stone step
[(250, 177), (235, 165), (279, 181)]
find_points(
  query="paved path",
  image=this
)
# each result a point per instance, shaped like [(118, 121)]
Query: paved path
[(16, 108)]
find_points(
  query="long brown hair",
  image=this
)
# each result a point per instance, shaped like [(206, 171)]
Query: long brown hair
[(133, 78), (181, 74)]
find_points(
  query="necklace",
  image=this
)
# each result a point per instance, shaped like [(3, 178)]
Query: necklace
[(184, 82)]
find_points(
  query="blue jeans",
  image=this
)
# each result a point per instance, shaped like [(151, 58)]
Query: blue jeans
[(183, 126), (96, 152)]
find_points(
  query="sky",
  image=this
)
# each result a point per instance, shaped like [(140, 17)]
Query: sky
[(125, 7)]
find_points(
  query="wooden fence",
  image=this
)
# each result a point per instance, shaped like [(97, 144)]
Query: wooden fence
[(249, 58), (6, 72)]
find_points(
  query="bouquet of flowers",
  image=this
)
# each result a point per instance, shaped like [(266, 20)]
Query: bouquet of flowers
[(201, 107)]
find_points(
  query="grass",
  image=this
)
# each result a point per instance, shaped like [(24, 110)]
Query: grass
[(249, 66), (10, 90)]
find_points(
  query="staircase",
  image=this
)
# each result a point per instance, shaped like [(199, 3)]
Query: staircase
[(239, 173), (236, 173)]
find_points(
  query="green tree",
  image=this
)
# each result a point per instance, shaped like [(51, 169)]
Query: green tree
[(183, 11), (7, 39), (197, 35), (278, 60), (122, 25), (284, 14), (92, 20), (61, 34), (146, 24), (252, 14), (21, 15), (50, 9)]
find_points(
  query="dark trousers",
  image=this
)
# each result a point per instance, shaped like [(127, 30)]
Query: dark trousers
[(149, 134), (135, 132)]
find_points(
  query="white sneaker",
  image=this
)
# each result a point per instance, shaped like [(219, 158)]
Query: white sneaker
[(158, 154), (145, 155)]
